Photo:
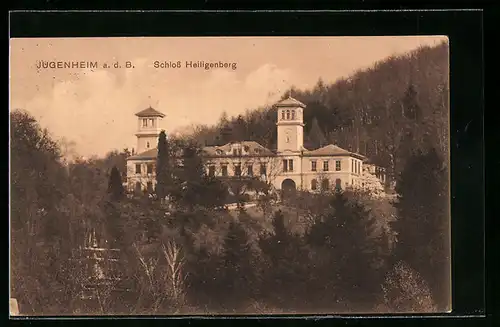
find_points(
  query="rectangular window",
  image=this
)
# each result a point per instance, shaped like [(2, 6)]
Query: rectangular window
[(250, 170), (338, 167), (263, 170), (285, 165), (152, 122), (290, 165), (150, 168), (144, 122), (313, 165), (224, 170), (137, 168), (237, 170), (325, 165), (211, 170), (352, 165)]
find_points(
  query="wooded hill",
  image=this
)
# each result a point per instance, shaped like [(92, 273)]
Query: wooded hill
[(384, 112)]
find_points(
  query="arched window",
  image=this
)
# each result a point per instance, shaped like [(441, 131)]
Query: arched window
[(325, 184), (293, 114), (338, 184), (283, 114), (314, 185), (288, 114)]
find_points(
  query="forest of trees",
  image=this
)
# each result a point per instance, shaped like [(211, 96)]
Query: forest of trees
[(354, 254)]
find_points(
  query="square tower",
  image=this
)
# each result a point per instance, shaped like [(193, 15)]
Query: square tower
[(148, 129), (290, 125)]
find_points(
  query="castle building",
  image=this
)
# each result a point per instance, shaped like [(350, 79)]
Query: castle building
[(290, 167)]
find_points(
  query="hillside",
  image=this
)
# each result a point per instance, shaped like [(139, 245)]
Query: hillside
[(384, 112)]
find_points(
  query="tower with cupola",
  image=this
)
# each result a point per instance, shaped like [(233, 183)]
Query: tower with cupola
[(290, 125), (148, 129)]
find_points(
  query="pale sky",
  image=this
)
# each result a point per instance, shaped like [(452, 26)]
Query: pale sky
[(95, 107)]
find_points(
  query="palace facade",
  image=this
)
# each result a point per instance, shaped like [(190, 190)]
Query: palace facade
[(290, 166)]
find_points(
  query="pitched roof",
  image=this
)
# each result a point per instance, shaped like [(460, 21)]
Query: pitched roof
[(149, 154), (150, 112), (252, 148), (332, 150), (290, 102)]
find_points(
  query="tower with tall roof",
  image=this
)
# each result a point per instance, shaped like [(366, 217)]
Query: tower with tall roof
[(290, 125), (148, 129)]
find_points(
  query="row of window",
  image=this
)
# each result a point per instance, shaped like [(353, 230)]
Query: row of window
[(326, 167), (238, 151), (325, 184), (237, 170), (148, 122), (150, 168), (355, 166), (287, 167), (289, 114)]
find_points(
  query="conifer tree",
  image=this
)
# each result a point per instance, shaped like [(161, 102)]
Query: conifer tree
[(113, 221), (163, 168), (238, 265), (423, 223), (343, 238), (115, 186), (192, 175), (316, 136), (286, 273)]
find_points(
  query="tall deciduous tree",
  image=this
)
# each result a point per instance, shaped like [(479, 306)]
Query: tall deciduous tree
[(40, 234), (423, 222)]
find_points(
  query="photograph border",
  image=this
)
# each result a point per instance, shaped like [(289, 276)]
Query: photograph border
[(464, 30)]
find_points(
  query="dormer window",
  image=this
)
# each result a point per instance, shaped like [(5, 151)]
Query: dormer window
[(283, 115), (288, 114), (144, 122), (293, 114), (247, 148), (152, 122), (257, 151), (218, 152)]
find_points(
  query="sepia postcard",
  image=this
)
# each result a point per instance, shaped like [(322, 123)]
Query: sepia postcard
[(229, 176)]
